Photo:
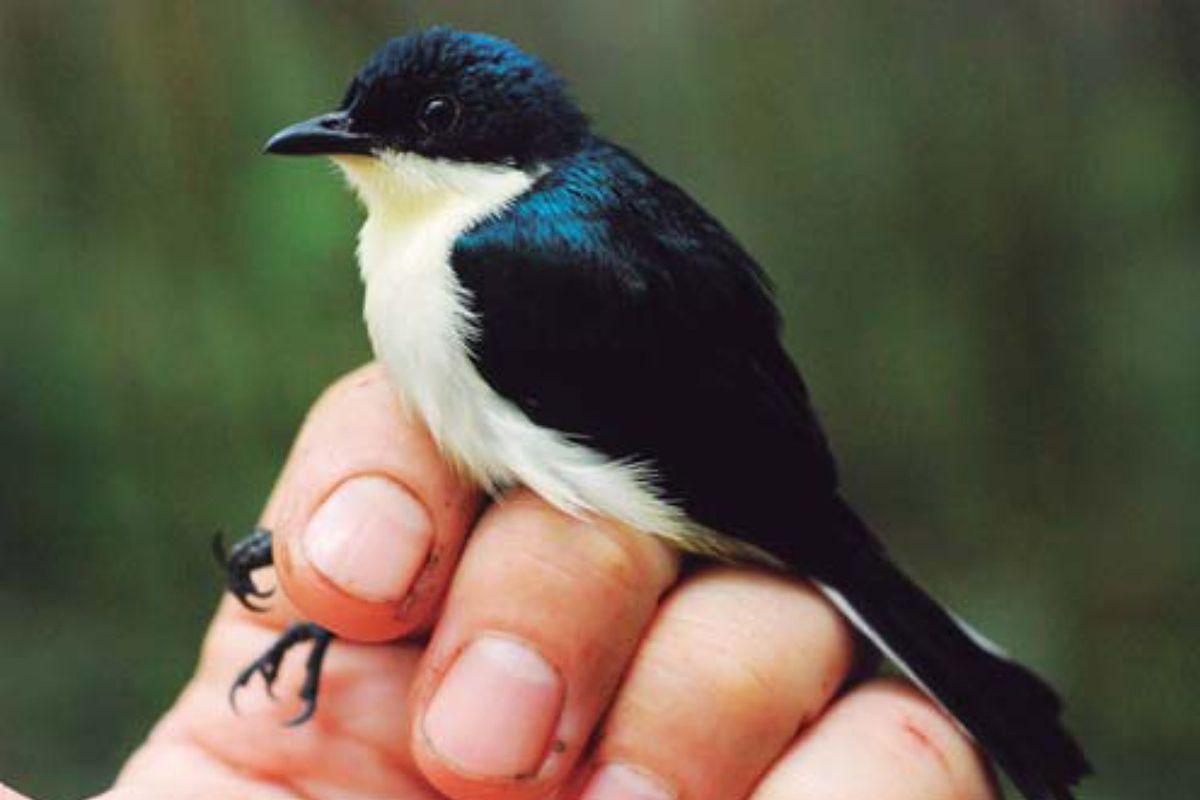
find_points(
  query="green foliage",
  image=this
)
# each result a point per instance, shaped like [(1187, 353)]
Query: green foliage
[(982, 220)]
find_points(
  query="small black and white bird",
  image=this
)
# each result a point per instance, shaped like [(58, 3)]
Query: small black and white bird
[(565, 319)]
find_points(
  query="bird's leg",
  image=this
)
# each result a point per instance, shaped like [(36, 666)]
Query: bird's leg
[(247, 555), (269, 662)]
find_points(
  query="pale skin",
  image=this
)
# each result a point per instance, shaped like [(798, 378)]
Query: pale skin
[(616, 678)]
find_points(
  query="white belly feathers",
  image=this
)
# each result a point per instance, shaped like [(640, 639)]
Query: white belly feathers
[(421, 323)]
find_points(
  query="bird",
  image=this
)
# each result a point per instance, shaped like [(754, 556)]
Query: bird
[(563, 318)]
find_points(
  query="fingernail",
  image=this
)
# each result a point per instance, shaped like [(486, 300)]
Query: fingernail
[(496, 709), (370, 538), (623, 782)]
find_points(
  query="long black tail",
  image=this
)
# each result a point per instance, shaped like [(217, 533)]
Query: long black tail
[(1011, 712)]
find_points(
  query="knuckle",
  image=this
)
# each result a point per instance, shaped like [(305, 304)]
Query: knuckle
[(630, 560), (748, 684), (343, 399), (760, 606), (762, 634), (348, 384), (703, 657)]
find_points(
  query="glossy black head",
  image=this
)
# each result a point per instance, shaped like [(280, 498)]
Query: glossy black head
[(446, 94)]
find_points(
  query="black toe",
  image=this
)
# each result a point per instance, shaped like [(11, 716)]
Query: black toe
[(267, 665), (247, 555)]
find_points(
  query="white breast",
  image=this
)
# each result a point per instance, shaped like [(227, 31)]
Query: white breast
[(421, 323)]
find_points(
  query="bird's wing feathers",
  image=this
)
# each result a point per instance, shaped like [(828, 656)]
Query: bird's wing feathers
[(619, 310), (612, 308)]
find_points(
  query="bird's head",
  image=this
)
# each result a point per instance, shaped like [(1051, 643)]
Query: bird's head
[(442, 103)]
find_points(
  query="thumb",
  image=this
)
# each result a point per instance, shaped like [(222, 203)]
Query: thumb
[(368, 520)]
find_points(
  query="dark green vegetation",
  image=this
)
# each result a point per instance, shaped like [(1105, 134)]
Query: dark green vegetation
[(984, 225)]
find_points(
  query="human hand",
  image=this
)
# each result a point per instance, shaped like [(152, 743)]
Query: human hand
[(563, 656)]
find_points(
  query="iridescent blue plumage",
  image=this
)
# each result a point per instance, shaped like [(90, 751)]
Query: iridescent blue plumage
[(615, 309)]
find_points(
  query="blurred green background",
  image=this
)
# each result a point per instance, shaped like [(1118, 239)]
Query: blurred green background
[(982, 219)]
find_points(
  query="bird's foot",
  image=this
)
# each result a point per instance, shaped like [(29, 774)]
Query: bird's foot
[(267, 665), (247, 555)]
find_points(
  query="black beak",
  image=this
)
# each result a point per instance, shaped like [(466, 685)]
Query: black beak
[(326, 135)]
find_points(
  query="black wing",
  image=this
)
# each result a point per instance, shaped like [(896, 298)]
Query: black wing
[(614, 309)]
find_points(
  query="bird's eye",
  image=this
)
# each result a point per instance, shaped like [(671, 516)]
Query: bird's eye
[(438, 114)]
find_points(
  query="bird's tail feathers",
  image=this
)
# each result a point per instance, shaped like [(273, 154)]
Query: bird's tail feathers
[(1012, 713)]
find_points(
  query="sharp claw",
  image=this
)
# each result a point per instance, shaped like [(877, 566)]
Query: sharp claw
[(248, 588), (239, 563), (251, 606), (218, 550), (244, 588), (243, 680), (310, 708), (247, 603), (233, 691)]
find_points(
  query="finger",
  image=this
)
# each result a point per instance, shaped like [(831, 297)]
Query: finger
[(356, 746), (9, 794), (733, 665), (543, 616), (368, 519), (885, 741)]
